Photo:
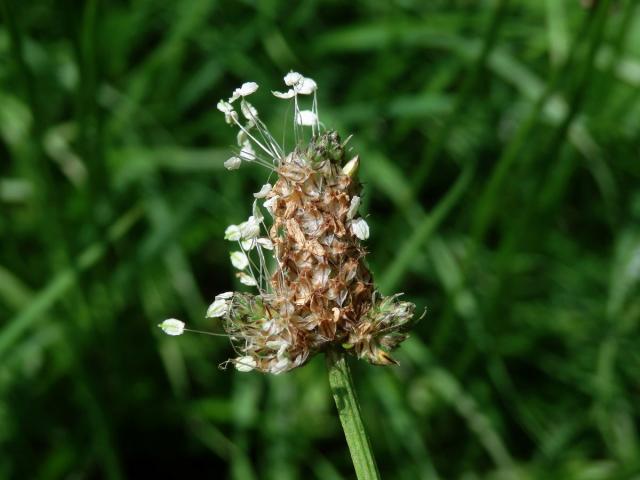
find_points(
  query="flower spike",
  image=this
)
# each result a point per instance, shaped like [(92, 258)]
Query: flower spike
[(306, 258)]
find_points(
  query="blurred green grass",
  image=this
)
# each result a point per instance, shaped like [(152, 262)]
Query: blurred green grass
[(500, 156)]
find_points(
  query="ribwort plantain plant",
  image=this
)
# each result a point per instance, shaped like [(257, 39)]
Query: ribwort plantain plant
[(305, 257)]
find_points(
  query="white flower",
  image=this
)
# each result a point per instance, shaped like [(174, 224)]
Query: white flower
[(248, 110), (306, 118), (301, 85), (245, 364), (233, 163), (251, 243), (224, 107), (230, 115), (172, 327), (246, 89), (250, 228), (360, 228), (265, 243), (248, 244), (218, 308), (266, 188), (224, 296), (285, 95), (239, 260), (306, 87), (270, 204), (353, 207), (247, 152), (246, 279), (292, 78), (233, 233)]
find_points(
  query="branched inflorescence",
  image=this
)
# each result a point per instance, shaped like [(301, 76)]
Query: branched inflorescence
[(304, 254)]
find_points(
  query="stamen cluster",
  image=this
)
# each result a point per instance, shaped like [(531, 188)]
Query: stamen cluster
[(304, 255)]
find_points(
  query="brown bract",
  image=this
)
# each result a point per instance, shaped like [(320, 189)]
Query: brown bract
[(322, 272)]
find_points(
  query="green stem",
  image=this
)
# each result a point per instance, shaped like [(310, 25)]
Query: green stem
[(344, 395)]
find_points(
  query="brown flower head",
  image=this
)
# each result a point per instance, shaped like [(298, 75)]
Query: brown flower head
[(315, 291)]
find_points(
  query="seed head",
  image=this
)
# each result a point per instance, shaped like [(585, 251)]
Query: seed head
[(317, 293)]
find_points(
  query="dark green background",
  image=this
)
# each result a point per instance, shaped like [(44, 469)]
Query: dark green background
[(500, 148)]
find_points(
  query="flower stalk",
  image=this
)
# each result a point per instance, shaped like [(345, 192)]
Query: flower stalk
[(346, 400)]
